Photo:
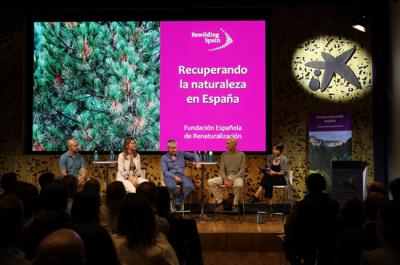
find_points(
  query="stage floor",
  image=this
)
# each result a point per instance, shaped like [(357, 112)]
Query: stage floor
[(230, 223), (243, 258), (225, 232)]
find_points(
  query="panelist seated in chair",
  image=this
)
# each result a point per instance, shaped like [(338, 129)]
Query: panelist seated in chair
[(232, 169), (130, 172), (72, 163), (173, 168), (274, 174)]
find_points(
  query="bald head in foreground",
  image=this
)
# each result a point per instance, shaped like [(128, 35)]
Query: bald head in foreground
[(62, 247)]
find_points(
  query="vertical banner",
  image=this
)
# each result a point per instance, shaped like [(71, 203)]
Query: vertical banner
[(330, 139), (213, 85)]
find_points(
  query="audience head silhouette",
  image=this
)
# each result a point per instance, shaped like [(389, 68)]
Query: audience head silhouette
[(351, 213), (92, 185), (11, 213), (54, 197), (70, 184), (9, 182), (394, 187), (163, 201), (99, 247), (115, 192), (148, 190), (46, 178), (115, 195), (62, 247), (29, 195), (377, 186), (388, 224), (85, 208), (136, 221), (315, 183), (372, 204)]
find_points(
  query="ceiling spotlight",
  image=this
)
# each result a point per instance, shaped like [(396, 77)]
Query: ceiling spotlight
[(360, 23)]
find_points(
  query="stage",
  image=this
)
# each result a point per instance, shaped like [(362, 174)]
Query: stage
[(227, 240)]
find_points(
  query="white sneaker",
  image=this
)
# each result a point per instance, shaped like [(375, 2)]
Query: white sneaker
[(219, 208), (179, 206), (173, 209)]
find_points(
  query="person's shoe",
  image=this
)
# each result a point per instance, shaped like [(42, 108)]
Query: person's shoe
[(235, 209), (173, 208), (270, 210), (220, 207), (253, 199), (178, 206), (179, 188), (228, 207)]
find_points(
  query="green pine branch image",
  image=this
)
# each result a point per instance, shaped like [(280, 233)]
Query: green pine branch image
[(98, 82)]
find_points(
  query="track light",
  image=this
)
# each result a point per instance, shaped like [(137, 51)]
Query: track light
[(360, 23)]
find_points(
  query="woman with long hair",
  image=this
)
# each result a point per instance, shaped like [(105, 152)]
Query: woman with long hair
[(138, 241), (129, 168), (115, 194)]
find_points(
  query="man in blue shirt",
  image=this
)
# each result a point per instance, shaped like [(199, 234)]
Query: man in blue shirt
[(173, 168), (72, 163)]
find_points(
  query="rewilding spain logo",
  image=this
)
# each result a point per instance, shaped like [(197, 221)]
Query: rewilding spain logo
[(211, 38)]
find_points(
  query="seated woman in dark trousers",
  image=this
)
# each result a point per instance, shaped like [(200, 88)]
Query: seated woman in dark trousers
[(274, 174)]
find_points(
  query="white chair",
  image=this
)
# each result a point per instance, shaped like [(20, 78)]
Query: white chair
[(183, 211), (287, 189)]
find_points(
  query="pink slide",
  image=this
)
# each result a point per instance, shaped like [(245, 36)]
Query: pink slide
[(213, 84)]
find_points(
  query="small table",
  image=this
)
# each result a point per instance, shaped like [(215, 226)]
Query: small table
[(203, 165), (106, 164)]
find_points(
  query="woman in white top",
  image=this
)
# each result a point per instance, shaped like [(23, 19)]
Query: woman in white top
[(129, 170)]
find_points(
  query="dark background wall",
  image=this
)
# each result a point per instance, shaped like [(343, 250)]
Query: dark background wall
[(291, 105), (395, 44)]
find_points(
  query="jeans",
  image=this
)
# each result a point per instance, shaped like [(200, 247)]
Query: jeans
[(187, 186)]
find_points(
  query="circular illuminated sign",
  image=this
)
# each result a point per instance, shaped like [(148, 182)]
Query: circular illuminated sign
[(333, 68)]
